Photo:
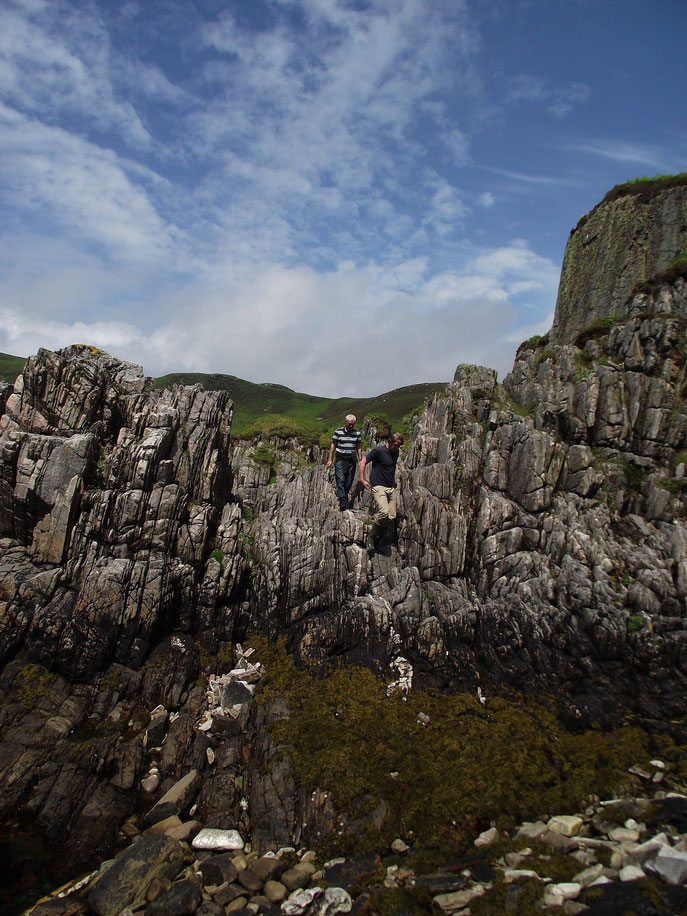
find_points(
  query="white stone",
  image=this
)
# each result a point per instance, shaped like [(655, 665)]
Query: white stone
[(623, 835), (631, 873), (457, 900), (565, 824), (602, 879), (558, 894), (299, 901), (515, 874), (531, 829), (334, 900), (399, 846), (214, 838), (588, 875), (210, 754), (641, 853), (670, 864), (487, 837), (659, 764), (569, 890)]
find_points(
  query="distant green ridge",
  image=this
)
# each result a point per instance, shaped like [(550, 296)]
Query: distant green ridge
[(10, 367), (272, 410), (276, 410)]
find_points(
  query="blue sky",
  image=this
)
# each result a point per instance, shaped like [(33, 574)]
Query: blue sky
[(341, 196)]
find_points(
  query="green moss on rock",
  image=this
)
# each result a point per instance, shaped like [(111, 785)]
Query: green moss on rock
[(508, 761)]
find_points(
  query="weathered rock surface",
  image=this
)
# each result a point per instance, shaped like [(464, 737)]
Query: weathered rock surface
[(541, 543), (624, 241)]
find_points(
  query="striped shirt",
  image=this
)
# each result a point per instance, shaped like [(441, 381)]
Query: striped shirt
[(346, 442)]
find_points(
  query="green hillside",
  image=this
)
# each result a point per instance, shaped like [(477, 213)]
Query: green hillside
[(275, 409), (10, 367)]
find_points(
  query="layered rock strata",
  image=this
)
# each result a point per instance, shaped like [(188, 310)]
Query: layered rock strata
[(629, 238)]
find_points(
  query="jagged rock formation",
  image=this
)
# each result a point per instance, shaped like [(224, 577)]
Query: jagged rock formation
[(541, 543)]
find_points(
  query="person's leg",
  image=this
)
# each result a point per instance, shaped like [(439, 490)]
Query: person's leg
[(349, 475), (391, 493), (382, 502), (340, 475)]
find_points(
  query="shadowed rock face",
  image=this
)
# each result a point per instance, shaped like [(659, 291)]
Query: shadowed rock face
[(541, 543)]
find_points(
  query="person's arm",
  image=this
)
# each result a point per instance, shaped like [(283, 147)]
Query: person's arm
[(331, 453), (363, 465)]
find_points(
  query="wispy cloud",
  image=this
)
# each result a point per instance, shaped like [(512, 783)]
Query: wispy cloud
[(78, 186), (560, 100), (625, 152)]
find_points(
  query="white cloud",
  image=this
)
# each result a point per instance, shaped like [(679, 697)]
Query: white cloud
[(57, 57), (81, 186), (391, 325)]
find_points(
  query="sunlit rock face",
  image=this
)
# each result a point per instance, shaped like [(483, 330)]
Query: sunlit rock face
[(540, 544), (109, 494), (629, 238)]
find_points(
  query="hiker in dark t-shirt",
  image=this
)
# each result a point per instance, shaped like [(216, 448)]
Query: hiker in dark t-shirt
[(383, 459)]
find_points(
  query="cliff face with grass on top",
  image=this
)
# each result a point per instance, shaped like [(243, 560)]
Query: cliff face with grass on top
[(631, 237)]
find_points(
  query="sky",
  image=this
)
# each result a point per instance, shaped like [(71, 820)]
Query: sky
[(340, 196)]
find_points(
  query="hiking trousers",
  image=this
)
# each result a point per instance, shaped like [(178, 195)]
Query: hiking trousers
[(385, 499), (344, 472)]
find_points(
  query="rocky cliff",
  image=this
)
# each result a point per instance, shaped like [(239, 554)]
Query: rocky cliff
[(629, 238), (541, 545)]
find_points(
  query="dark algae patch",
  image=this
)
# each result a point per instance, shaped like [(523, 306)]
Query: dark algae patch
[(442, 782)]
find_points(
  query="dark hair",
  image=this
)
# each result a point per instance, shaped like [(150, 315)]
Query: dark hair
[(394, 436)]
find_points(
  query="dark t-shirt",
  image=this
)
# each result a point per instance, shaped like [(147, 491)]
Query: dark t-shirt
[(383, 462)]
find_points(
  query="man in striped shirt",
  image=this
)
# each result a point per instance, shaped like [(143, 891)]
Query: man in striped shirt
[(346, 440)]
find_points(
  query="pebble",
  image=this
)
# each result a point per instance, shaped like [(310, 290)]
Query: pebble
[(488, 837), (517, 874), (631, 873), (300, 901), (531, 830), (275, 891), (566, 890), (589, 875), (623, 835), (565, 824)]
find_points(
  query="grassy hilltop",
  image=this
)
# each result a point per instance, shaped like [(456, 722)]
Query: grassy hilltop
[(277, 410)]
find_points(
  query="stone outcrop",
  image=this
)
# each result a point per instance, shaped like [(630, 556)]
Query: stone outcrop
[(629, 238), (541, 544)]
